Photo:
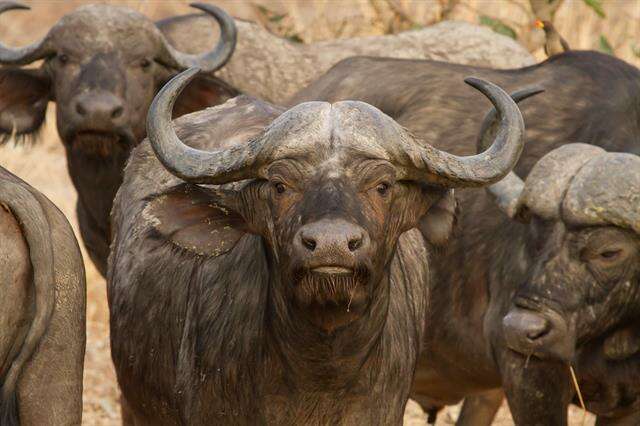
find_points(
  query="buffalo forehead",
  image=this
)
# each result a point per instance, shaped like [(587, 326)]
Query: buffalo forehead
[(103, 27), (605, 191), (319, 130), (549, 179)]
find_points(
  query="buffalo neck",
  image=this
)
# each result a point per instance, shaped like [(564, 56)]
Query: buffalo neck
[(360, 373), (97, 181), (314, 356)]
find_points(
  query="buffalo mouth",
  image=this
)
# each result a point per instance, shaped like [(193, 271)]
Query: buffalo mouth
[(101, 144), (332, 286), (335, 270)]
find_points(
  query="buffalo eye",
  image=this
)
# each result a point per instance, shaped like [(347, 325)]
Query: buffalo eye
[(145, 63), (382, 188), (280, 188), (63, 58), (610, 254)]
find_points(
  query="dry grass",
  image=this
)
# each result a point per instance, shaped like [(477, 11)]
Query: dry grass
[(43, 165)]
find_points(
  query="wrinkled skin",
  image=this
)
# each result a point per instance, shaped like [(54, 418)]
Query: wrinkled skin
[(103, 75), (469, 354), (585, 287), (42, 310), (588, 278), (305, 197), (302, 290), (538, 296)]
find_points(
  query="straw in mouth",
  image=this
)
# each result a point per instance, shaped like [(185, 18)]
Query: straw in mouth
[(575, 384)]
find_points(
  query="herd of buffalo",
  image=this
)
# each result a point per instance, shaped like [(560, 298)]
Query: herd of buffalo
[(316, 239)]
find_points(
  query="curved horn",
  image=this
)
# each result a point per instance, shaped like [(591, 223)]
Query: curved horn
[(22, 55), (490, 123), (450, 170), (506, 193), (209, 61), (193, 165)]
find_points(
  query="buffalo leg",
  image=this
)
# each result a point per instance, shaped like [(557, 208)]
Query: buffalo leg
[(479, 410)]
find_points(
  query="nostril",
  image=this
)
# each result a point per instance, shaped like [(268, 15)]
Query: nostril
[(537, 333), (309, 243), (81, 109), (524, 327), (117, 112), (355, 243), (533, 327)]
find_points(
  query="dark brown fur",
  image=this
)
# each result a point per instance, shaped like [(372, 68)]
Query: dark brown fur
[(589, 97)]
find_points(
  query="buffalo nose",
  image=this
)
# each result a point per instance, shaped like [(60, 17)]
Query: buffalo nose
[(546, 335), (525, 326), (102, 109), (331, 240)]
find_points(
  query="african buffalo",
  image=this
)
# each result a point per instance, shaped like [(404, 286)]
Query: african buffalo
[(590, 97), (273, 68), (42, 310), (546, 274), (270, 272), (102, 67)]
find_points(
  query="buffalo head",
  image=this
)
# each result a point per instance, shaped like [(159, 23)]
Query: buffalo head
[(582, 207), (102, 66), (330, 188)]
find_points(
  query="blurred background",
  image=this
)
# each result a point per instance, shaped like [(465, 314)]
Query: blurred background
[(611, 26)]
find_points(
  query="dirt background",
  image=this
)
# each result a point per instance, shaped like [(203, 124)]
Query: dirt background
[(43, 164)]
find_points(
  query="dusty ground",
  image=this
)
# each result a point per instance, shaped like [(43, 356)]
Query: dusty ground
[(43, 165)]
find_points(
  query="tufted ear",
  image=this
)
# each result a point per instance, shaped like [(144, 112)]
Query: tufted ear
[(24, 95), (203, 92), (437, 224), (195, 220)]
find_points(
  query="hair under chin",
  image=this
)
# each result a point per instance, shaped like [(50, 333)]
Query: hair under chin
[(100, 145), (335, 289)]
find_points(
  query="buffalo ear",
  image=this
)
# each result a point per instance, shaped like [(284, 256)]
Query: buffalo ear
[(24, 95), (194, 220), (204, 91), (438, 223)]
